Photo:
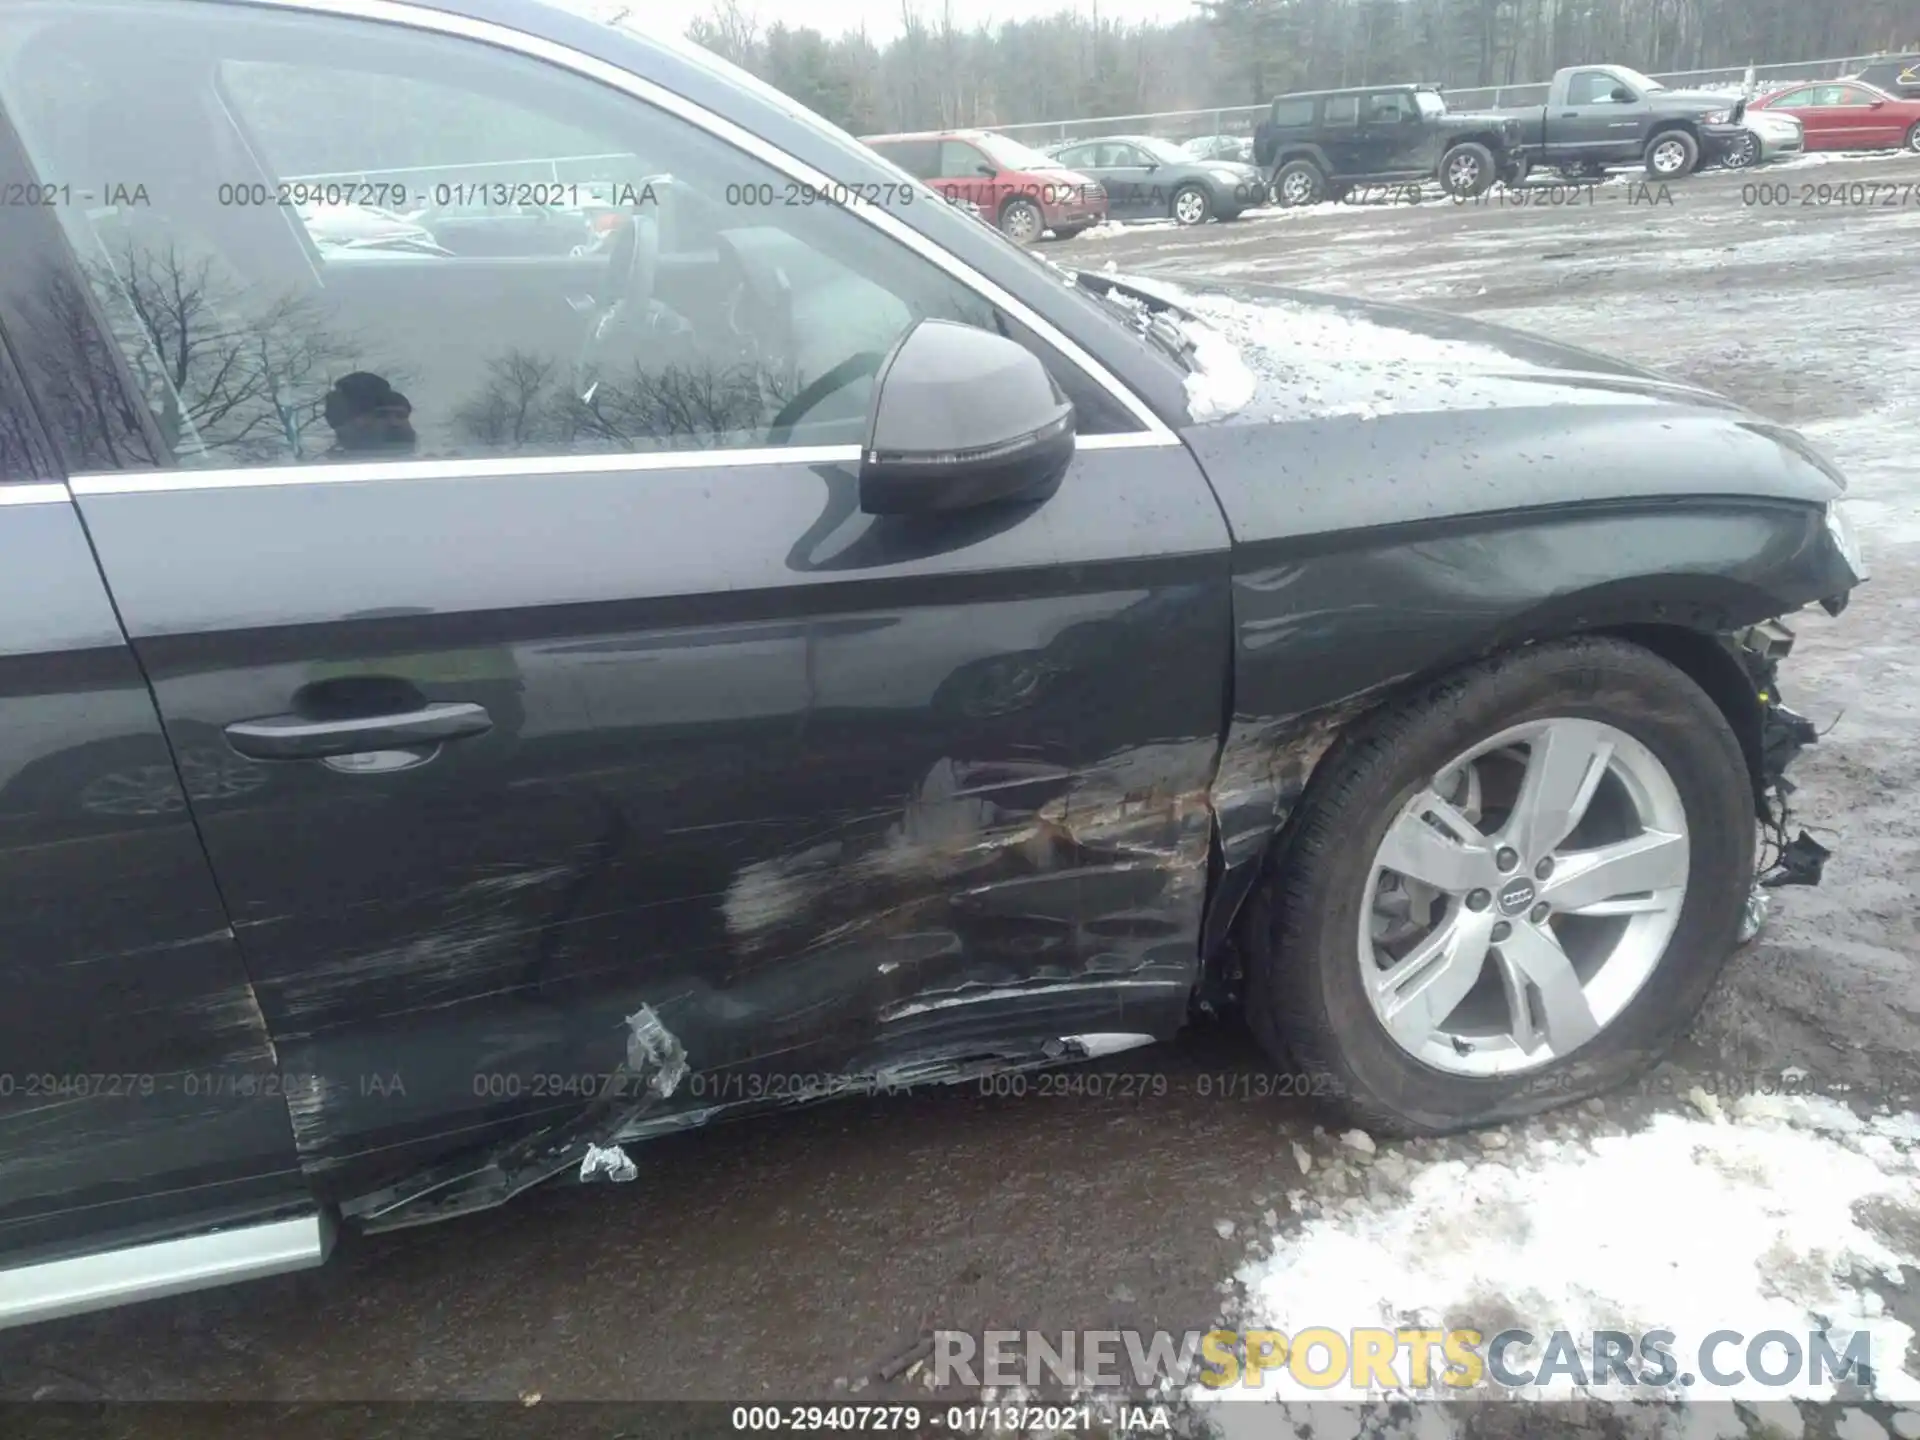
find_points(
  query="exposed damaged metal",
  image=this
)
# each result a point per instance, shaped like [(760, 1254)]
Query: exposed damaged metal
[(656, 1064)]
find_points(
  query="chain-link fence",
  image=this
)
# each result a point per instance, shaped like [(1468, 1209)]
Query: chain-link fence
[(1239, 120)]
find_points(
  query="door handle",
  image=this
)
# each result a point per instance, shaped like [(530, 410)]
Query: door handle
[(298, 737), (1569, 114)]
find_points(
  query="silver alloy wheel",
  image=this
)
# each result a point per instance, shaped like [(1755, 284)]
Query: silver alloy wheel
[(1022, 222), (1669, 156), (1913, 139), (1521, 898), (1462, 172), (1190, 207), (1744, 152), (1297, 189)]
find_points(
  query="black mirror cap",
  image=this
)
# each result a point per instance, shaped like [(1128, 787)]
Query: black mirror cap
[(962, 417)]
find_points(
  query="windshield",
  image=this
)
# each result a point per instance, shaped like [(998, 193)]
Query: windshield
[(1429, 104), (1642, 83), (1012, 155)]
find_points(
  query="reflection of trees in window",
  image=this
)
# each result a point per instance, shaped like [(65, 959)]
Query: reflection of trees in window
[(22, 454), (78, 385), (535, 401), (225, 373)]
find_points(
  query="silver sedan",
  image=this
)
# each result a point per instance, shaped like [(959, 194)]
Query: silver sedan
[(1769, 136)]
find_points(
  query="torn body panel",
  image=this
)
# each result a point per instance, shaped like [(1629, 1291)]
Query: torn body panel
[(1329, 629)]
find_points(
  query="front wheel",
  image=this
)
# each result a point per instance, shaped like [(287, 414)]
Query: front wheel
[(1467, 170), (1672, 155), (1512, 891), (1022, 221), (1913, 137), (1191, 205), (1743, 153)]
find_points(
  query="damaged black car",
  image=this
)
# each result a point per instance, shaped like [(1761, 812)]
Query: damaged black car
[(463, 715)]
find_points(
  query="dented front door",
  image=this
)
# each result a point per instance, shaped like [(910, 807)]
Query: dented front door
[(606, 764), (822, 798)]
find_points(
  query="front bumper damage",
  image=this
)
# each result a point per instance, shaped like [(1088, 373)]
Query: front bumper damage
[(1783, 734)]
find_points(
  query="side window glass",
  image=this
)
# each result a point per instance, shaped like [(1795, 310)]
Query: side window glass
[(919, 158), (1793, 97), (1590, 87), (308, 253), (1292, 114), (960, 161), (24, 456), (1389, 108), (1343, 110)]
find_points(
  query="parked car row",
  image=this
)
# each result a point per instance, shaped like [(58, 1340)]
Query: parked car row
[(1847, 115), (1318, 145)]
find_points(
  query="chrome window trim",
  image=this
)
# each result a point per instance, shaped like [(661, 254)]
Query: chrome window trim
[(1155, 433), (38, 493), (147, 482)]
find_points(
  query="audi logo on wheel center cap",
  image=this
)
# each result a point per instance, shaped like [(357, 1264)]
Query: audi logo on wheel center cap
[(1515, 896)]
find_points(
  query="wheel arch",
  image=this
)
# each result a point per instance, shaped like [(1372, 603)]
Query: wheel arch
[(1487, 138), (1667, 125), (1683, 619), (1291, 153)]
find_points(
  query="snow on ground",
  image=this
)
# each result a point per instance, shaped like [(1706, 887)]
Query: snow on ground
[(1778, 1213)]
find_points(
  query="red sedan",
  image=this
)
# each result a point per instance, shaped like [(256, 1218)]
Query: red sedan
[(1849, 115)]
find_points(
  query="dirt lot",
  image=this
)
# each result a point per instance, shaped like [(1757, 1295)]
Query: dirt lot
[(794, 1257)]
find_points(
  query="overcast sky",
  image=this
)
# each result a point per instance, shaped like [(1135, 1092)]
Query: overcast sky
[(882, 17)]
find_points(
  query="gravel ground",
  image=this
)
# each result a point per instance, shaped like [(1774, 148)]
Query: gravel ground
[(796, 1256)]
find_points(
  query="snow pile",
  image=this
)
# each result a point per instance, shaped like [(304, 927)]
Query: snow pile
[(1220, 382), (1776, 1213)]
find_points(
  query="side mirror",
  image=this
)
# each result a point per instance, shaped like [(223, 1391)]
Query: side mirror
[(987, 170), (1876, 104), (962, 417), (1621, 95)]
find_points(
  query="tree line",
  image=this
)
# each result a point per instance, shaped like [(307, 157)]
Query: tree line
[(1077, 63)]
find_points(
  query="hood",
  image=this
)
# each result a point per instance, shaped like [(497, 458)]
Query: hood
[(1702, 100), (1270, 353), (1315, 414)]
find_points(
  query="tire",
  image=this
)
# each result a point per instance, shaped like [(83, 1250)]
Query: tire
[(1191, 205), (1467, 170), (1307, 990), (1913, 137), (1022, 222), (1742, 154), (1299, 182), (1672, 155)]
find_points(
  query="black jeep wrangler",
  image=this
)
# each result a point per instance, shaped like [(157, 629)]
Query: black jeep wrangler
[(1318, 145)]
